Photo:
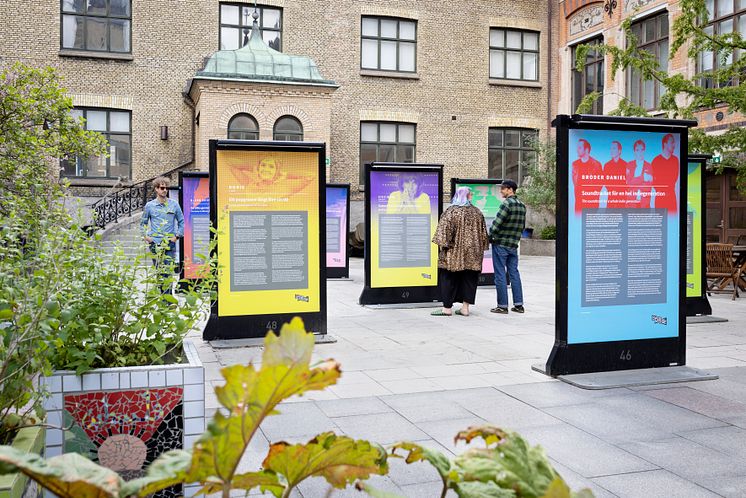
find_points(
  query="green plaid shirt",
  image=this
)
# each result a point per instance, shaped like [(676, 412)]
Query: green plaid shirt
[(508, 225)]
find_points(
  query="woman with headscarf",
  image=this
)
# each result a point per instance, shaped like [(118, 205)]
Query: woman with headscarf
[(461, 237)]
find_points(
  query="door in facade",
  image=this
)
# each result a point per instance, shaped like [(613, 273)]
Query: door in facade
[(726, 209)]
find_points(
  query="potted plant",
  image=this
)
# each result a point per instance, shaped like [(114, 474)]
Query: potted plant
[(67, 305), (36, 129)]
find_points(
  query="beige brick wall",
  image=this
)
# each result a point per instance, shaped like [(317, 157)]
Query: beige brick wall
[(217, 102), (171, 39)]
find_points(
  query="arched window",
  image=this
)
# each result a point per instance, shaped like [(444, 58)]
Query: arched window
[(243, 127), (288, 128)]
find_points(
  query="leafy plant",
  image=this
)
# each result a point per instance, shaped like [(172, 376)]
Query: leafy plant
[(684, 97), (114, 312), (247, 398), (549, 232), (36, 129), (507, 467), (539, 189)]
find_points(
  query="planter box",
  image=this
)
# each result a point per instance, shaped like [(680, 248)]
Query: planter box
[(125, 417), (29, 440), (538, 247)]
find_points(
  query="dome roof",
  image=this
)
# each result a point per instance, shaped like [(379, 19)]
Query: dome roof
[(256, 61)]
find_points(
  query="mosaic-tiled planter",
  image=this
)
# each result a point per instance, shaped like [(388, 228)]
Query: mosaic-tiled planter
[(125, 417)]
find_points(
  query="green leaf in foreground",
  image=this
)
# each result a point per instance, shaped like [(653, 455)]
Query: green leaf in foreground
[(338, 459), (68, 476)]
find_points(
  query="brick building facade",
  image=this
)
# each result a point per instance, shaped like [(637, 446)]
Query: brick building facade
[(455, 74), (588, 21)]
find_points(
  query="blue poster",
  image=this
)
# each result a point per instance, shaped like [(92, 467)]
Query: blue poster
[(623, 235)]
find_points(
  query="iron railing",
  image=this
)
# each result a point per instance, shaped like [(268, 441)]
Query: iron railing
[(126, 201)]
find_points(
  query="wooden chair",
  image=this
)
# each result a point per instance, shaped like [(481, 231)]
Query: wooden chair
[(721, 269)]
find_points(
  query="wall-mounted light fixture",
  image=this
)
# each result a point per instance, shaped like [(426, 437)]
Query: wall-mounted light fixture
[(164, 132)]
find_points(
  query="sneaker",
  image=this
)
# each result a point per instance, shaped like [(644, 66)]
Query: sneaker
[(518, 309), (502, 311)]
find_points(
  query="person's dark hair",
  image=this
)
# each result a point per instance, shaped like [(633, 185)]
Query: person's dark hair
[(586, 144), (639, 142), (510, 184), (405, 177)]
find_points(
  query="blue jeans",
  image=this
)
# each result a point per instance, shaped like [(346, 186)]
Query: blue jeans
[(507, 258), (165, 263)]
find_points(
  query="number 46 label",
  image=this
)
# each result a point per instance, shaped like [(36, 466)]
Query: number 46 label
[(626, 355)]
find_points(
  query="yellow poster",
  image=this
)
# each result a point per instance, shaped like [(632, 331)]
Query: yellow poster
[(268, 226)]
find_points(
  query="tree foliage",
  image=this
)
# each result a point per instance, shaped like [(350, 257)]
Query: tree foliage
[(685, 97), (539, 189)]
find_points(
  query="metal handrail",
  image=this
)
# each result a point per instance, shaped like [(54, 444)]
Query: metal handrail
[(126, 201)]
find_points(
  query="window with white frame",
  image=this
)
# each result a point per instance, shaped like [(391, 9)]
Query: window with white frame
[(510, 151), (725, 16), (591, 78), (116, 126), (514, 54), (652, 36), (96, 25), (388, 44), (288, 128), (236, 23), (243, 126), (386, 142)]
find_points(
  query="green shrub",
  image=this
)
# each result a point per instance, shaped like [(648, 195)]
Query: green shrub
[(549, 232)]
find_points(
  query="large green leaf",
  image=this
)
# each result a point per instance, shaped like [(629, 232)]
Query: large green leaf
[(373, 492), (167, 470), (250, 395), (68, 476), (265, 481), (419, 453), (476, 489), (338, 459), (512, 464)]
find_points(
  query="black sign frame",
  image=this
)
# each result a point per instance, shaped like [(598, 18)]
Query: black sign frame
[(396, 295), (485, 279), (256, 326), (590, 357), (337, 271), (700, 305), (182, 175)]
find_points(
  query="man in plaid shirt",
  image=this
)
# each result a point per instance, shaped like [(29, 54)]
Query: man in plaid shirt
[(505, 232)]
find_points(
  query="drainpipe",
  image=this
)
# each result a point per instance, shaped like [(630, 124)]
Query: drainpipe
[(192, 105), (550, 20)]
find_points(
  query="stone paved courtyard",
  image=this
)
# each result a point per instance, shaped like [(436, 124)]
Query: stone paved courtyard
[(410, 376)]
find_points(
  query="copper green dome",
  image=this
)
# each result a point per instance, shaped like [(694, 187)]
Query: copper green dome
[(256, 61)]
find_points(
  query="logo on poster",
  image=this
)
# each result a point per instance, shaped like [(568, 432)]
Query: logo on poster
[(299, 297), (660, 320)]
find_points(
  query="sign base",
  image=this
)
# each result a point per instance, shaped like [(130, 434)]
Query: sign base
[(704, 319), (399, 295), (698, 306), (257, 326), (633, 378), (259, 342)]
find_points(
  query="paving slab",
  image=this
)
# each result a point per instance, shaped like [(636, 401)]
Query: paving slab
[(411, 376), (585, 454), (652, 484)]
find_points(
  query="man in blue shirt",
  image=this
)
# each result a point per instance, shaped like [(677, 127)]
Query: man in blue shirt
[(162, 219)]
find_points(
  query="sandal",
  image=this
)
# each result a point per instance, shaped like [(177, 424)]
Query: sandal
[(458, 312), (439, 313)]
